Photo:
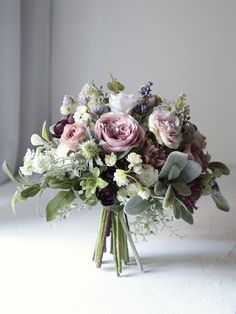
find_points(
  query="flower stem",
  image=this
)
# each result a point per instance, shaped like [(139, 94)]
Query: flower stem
[(127, 232)]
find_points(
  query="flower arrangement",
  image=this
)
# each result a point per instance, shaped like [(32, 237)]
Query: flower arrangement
[(139, 156)]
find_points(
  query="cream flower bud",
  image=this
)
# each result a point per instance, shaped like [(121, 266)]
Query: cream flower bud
[(144, 193), (110, 160), (149, 175), (120, 177)]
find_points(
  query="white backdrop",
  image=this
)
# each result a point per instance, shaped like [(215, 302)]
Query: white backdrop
[(180, 45)]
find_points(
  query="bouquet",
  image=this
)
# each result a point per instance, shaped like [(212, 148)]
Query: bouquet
[(133, 155)]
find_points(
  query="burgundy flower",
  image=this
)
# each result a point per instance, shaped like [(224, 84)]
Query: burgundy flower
[(155, 154), (191, 200), (59, 126), (107, 196)]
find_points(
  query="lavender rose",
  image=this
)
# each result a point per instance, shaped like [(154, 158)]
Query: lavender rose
[(166, 127), (73, 134), (117, 131)]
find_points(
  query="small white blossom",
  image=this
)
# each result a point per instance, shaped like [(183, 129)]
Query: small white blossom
[(120, 177), (148, 176), (62, 150), (134, 159), (144, 193), (81, 114), (110, 160), (27, 168), (89, 149), (68, 105)]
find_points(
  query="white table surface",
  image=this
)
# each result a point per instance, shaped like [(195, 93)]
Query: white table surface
[(47, 268)]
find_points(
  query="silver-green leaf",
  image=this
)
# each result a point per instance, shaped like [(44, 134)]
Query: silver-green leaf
[(136, 205)]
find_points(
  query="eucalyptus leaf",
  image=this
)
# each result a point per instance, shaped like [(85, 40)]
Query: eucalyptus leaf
[(182, 188), (136, 205), (176, 158), (8, 172), (191, 171), (59, 202), (169, 198)]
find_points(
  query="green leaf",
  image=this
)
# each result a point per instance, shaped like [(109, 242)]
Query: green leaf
[(115, 86), (8, 172), (191, 171), (101, 183), (206, 178), (176, 158), (36, 140), (174, 172), (96, 172), (169, 197), (59, 202), (136, 205), (16, 197), (54, 183), (160, 188), (122, 155), (176, 210), (30, 191), (222, 168), (217, 197), (182, 188), (44, 132), (185, 214)]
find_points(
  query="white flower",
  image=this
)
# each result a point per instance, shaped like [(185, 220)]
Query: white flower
[(134, 159), (62, 150), (43, 160), (122, 195), (81, 114), (27, 168), (120, 177), (110, 160), (149, 176), (68, 105), (132, 189), (144, 193), (121, 102)]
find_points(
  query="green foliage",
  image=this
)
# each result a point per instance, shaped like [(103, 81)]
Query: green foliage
[(184, 213), (174, 172), (44, 132), (58, 204), (91, 181), (8, 172), (218, 168), (16, 197), (115, 86), (191, 171), (182, 188), (136, 205), (217, 197), (160, 188), (176, 159), (30, 190), (169, 198)]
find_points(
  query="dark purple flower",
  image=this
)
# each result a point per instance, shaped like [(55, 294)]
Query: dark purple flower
[(59, 128), (191, 200), (70, 119), (142, 106), (145, 89), (108, 175), (107, 196)]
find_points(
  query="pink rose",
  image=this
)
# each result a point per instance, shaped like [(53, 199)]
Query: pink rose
[(118, 131), (73, 134), (166, 127)]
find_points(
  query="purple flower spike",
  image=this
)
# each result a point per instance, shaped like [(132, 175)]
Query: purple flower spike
[(98, 109), (145, 89)]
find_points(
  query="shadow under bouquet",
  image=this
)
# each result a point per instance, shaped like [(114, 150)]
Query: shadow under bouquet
[(139, 156)]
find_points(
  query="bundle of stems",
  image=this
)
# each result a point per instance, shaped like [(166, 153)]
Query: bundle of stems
[(115, 225)]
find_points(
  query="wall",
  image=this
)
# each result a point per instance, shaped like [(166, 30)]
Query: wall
[(180, 45)]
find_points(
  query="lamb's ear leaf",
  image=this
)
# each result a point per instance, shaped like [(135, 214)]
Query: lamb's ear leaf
[(191, 171), (217, 197), (185, 214), (169, 198), (136, 205), (8, 172), (176, 210), (182, 188), (174, 172), (160, 188), (176, 158)]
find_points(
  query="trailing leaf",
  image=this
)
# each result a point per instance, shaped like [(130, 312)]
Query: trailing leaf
[(169, 197), (217, 197), (8, 172), (136, 205), (218, 168), (16, 197), (58, 203), (115, 86)]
